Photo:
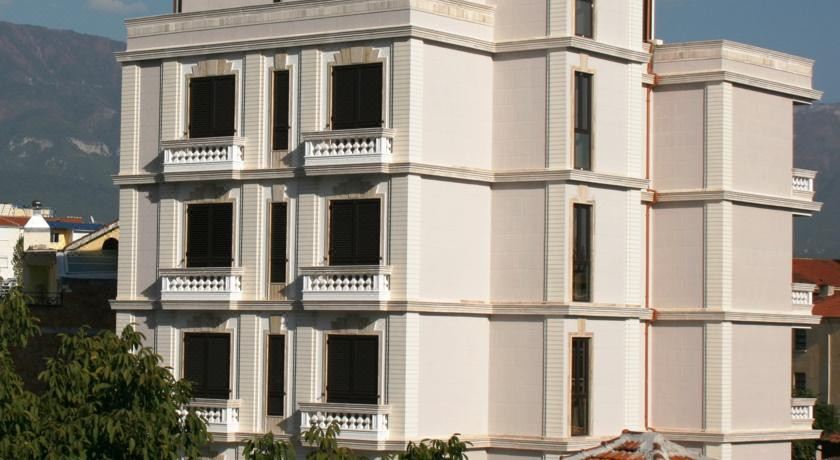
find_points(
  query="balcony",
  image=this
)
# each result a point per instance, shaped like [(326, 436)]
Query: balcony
[(221, 415), (343, 283), (201, 284), (802, 412), (362, 422), (204, 154), (802, 297), (348, 147), (803, 183)]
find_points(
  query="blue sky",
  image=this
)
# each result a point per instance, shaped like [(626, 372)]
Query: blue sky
[(805, 27)]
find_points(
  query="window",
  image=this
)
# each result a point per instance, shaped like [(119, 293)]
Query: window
[(111, 244), (212, 106), (354, 232), (278, 242), (357, 96), (4, 262), (353, 369), (207, 364), (647, 21), (580, 386), (583, 121), (582, 254), (209, 235), (54, 237), (280, 130), (583, 18), (799, 382), (177, 6), (276, 374), (800, 340)]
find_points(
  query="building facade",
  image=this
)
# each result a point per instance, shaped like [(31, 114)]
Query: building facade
[(519, 220)]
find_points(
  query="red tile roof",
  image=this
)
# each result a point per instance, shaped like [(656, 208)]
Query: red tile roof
[(637, 446), (817, 271), (827, 306), (20, 221)]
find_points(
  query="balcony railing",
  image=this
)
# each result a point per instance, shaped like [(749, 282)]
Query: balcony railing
[(348, 147), (352, 282), (803, 183), (221, 416), (357, 421), (802, 296), (43, 299), (802, 412), (201, 284), (204, 154)]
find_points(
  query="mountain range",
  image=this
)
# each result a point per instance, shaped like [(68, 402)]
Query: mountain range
[(59, 132)]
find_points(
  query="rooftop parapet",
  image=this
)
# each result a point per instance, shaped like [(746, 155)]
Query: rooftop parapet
[(679, 63)]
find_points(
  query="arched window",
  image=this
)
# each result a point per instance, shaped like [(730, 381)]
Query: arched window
[(111, 244)]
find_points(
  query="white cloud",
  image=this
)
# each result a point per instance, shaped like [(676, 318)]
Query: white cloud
[(116, 6)]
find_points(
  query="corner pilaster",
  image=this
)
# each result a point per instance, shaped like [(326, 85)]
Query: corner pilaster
[(407, 110), (556, 243), (557, 148), (130, 119), (403, 379), (554, 406), (127, 261), (171, 104), (254, 113)]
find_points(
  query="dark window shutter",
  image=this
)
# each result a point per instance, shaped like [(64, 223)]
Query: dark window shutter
[(580, 386), (342, 216), (370, 96), (278, 242), (207, 364), (281, 126), (276, 374), (201, 107), (582, 253), (367, 232), (224, 110), (345, 82), (339, 365), (212, 106), (198, 235), (583, 18), (221, 235), (365, 379)]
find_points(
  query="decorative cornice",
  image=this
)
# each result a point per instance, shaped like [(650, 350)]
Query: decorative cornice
[(393, 32), (805, 94), (204, 305), (781, 202), (737, 316), (420, 169), (740, 437)]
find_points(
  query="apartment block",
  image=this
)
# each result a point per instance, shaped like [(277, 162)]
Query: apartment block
[(519, 220)]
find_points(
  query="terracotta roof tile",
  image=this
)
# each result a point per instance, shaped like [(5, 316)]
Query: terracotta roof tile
[(637, 446), (817, 271)]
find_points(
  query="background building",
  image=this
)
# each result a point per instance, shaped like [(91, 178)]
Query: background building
[(427, 217)]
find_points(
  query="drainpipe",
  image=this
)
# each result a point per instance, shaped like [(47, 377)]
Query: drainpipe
[(648, 92)]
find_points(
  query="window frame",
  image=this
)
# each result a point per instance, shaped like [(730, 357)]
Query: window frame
[(231, 358), (591, 253), (799, 333), (330, 113), (588, 338), (286, 341), (380, 386), (329, 229), (273, 74), (55, 237), (189, 101), (590, 119), (285, 280), (234, 235)]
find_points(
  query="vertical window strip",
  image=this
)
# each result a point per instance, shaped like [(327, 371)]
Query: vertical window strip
[(582, 254), (583, 121), (279, 238), (281, 125), (583, 18), (580, 386), (276, 375)]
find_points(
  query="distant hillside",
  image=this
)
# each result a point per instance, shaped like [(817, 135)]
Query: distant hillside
[(817, 147), (59, 120)]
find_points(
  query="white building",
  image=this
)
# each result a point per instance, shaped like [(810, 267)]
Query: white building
[(512, 219)]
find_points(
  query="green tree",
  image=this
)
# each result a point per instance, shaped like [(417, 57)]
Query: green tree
[(17, 260), (106, 398)]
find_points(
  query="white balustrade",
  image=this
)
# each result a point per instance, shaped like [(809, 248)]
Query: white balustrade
[(803, 182), (368, 282), (201, 284), (348, 147), (204, 154), (221, 416), (356, 421), (802, 412), (802, 295)]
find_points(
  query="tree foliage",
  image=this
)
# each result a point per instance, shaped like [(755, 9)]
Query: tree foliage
[(17, 261), (106, 398)]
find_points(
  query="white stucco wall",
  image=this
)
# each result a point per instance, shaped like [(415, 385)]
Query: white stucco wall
[(678, 138), (770, 450), (518, 243), (147, 244), (763, 142), (457, 107), (676, 376), (677, 255), (761, 254), (455, 238), (520, 18), (454, 369), (761, 382), (519, 104), (149, 155), (8, 239), (516, 376)]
